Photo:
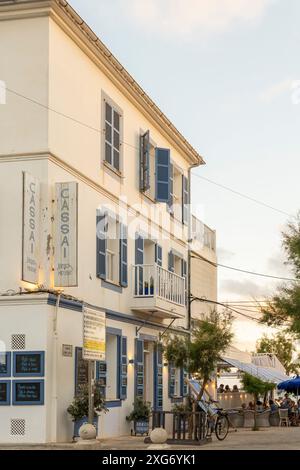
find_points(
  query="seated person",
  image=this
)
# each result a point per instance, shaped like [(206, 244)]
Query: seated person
[(227, 389), (272, 405), (251, 405), (221, 389), (285, 404), (259, 405), (235, 389), (244, 406)]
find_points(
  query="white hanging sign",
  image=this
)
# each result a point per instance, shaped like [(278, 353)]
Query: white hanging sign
[(31, 228), (93, 334), (66, 235)]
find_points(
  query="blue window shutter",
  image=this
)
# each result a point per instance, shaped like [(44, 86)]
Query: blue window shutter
[(139, 368), (171, 261), (101, 377), (123, 369), (101, 229), (123, 256), (184, 274), (158, 254), (145, 161), (172, 378), (185, 199), (171, 198), (139, 260), (183, 384), (162, 173), (158, 377)]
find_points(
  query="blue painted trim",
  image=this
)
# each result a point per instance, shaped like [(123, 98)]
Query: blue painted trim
[(111, 286), (29, 374), (8, 365), (113, 403), (113, 331), (119, 339), (28, 403), (65, 303), (8, 393)]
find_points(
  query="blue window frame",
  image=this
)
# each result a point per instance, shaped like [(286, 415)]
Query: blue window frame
[(5, 392), (5, 364), (28, 392), (29, 364)]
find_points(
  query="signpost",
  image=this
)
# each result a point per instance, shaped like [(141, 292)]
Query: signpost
[(93, 347), (31, 228), (66, 235)]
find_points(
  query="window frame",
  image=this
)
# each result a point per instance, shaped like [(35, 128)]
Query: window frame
[(105, 99)]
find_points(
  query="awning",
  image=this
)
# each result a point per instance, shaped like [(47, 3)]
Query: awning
[(267, 374)]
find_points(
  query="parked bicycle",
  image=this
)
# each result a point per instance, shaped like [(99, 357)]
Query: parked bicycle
[(216, 422)]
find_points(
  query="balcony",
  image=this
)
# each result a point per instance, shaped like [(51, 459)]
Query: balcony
[(158, 290)]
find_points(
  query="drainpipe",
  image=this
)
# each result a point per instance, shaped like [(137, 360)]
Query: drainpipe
[(53, 409)]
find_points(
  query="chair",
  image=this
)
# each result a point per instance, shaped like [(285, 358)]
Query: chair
[(263, 419), (274, 418), (248, 418), (236, 418), (283, 417)]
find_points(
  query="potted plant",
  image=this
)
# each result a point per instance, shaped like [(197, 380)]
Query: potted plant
[(140, 416), (79, 408), (151, 290), (181, 410)]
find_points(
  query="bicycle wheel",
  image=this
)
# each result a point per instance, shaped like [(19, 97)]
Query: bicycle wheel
[(222, 427)]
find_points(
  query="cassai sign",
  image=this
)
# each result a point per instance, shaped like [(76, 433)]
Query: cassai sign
[(31, 228), (66, 235)]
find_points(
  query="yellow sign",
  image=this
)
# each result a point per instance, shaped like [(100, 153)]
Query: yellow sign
[(93, 334)]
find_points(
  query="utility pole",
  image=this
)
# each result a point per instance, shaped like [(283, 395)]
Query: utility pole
[(91, 391)]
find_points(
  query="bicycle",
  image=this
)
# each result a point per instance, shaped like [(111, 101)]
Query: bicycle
[(217, 421)]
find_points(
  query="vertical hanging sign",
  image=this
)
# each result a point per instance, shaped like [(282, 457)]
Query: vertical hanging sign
[(66, 235), (31, 228)]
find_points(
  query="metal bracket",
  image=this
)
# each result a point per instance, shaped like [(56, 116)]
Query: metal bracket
[(145, 322), (168, 327)]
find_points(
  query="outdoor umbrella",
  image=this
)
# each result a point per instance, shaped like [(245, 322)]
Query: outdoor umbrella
[(292, 385)]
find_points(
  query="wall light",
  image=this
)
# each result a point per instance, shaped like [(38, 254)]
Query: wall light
[(131, 361)]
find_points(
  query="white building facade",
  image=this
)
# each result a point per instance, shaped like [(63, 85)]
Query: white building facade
[(95, 208)]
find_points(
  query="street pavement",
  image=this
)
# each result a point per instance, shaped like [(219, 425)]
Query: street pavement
[(265, 439)]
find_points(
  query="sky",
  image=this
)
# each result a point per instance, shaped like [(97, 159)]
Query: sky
[(227, 73)]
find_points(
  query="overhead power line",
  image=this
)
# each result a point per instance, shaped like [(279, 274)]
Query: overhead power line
[(245, 196), (252, 273), (224, 305)]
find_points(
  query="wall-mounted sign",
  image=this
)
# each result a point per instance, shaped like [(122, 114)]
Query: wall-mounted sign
[(65, 274), (28, 364), (31, 228), (28, 392), (4, 392), (93, 334), (5, 366), (67, 350), (81, 370)]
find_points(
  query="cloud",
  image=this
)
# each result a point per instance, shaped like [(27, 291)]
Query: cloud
[(276, 90), (185, 17), (247, 289)]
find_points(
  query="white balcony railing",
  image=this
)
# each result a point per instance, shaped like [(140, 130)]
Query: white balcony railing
[(151, 280)]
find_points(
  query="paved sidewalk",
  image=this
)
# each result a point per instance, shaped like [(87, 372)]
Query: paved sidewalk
[(264, 439)]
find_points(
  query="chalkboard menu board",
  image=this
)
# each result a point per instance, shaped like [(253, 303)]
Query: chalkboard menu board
[(30, 364), (28, 392), (81, 370), (5, 364), (4, 393)]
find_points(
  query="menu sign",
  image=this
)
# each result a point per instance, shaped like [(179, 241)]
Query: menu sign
[(81, 372), (93, 334), (4, 395), (29, 392), (4, 364), (29, 364)]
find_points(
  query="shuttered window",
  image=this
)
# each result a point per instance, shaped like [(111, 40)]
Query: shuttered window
[(162, 166), (139, 368), (112, 128), (101, 230), (171, 260), (171, 196), (123, 256), (123, 368), (158, 377), (185, 199), (145, 161), (158, 254)]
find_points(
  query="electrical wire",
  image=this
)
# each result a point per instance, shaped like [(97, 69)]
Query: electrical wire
[(200, 299)]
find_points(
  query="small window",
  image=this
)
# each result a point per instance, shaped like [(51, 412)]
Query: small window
[(112, 361), (112, 117), (113, 251)]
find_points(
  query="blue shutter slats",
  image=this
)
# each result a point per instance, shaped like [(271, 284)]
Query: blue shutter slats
[(162, 173), (183, 384), (101, 229), (172, 378), (171, 195), (158, 254), (185, 199), (101, 372), (145, 161), (158, 377), (123, 368), (139, 368), (123, 256), (171, 261)]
